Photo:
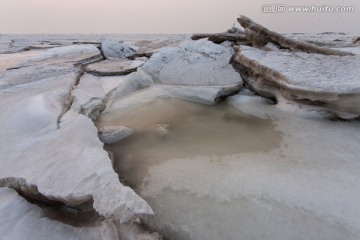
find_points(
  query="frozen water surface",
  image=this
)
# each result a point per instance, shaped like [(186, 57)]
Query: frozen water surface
[(214, 172), (166, 129)]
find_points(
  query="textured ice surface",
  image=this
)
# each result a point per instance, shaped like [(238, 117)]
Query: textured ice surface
[(114, 50), (10, 43), (329, 39), (21, 220), (90, 94), (196, 70), (114, 67), (54, 155), (200, 63), (11, 60), (340, 74), (66, 54), (148, 48), (328, 83), (113, 134)]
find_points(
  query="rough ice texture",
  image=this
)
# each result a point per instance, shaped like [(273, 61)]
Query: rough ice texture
[(10, 60), (53, 153), (260, 35), (72, 54), (113, 134), (198, 71), (148, 48), (49, 64), (322, 73), (24, 75), (199, 63), (329, 39), (114, 50), (21, 220), (20, 42), (91, 94), (135, 232), (331, 82), (114, 67)]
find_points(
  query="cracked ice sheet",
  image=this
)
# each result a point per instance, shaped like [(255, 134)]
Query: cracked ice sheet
[(21, 220), (52, 63), (73, 54), (91, 94), (66, 164)]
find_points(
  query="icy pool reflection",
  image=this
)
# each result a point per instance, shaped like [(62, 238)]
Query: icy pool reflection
[(170, 128)]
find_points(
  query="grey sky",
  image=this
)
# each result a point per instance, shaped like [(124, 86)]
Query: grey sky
[(165, 16)]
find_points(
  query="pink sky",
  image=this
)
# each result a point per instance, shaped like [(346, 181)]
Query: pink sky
[(165, 16)]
